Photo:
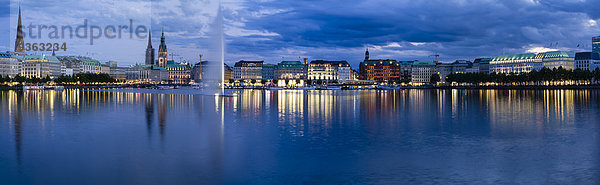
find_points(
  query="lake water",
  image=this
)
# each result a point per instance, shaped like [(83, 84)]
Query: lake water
[(135, 136)]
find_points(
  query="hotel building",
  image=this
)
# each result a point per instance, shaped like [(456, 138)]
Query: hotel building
[(587, 60), (329, 70), (248, 70), (40, 66), (523, 63), (179, 73), (288, 70), (9, 66), (422, 71), (380, 70)]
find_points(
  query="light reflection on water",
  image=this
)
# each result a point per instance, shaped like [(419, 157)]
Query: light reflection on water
[(290, 136)]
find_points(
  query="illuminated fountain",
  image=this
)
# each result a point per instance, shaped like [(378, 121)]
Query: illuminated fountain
[(214, 75)]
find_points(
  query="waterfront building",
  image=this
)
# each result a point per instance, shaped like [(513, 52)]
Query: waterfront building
[(482, 65), (9, 65), (456, 67), (228, 72), (268, 71), (287, 70), (387, 70), (327, 70), (162, 51), (556, 59), (179, 73), (405, 71), (596, 44), (41, 66), (67, 72), (147, 74), (345, 74), (197, 72), (587, 60), (118, 73), (150, 50), (248, 70), (519, 63), (81, 64), (71, 62), (422, 71), (89, 65), (112, 64), (355, 75), (523, 63), (104, 68)]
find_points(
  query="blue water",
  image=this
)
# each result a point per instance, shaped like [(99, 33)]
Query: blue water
[(300, 137)]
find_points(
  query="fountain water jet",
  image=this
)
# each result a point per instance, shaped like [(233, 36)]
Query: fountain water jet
[(214, 75)]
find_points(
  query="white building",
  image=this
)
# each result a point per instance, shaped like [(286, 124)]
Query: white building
[(422, 71), (523, 63), (345, 74), (329, 71), (40, 66), (9, 66), (248, 70), (587, 61), (89, 65)]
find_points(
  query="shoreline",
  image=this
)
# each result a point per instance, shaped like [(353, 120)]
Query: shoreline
[(143, 86)]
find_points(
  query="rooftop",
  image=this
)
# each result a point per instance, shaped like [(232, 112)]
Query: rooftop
[(40, 57), (587, 56), (515, 57)]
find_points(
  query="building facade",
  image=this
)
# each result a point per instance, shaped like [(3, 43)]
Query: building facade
[(162, 52), (9, 66), (556, 59), (179, 73), (380, 70), (288, 70), (326, 70), (456, 67), (587, 61), (596, 44), (483, 64), (41, 66), (248, 70), (422, 71), (147, 74), (88, 65), (523, 63), (519, 63), (268, 71), (405, 71)]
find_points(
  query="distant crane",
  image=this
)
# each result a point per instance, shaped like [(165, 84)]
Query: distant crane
[(436, 57), (172, 56)]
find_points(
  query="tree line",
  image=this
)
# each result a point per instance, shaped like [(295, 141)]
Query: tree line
[(82, 78), (534, 77)]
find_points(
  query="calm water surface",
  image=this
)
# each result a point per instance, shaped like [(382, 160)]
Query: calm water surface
[(300, 137)]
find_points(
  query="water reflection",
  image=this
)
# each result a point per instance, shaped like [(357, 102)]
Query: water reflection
[(281, 134)]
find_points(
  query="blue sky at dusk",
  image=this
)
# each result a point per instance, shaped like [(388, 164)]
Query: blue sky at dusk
[(275, 30)]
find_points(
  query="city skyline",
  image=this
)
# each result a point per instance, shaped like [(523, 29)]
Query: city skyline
[(417, 41)]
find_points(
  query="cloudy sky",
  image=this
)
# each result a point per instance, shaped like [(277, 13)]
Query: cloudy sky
[(275, 30)]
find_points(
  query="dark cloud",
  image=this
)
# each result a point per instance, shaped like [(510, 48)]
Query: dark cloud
[(457, 29), (341, 29)]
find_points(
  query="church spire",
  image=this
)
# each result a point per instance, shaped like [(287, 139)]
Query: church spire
[(19, 44), (367, 55), (150, 39), (149, 50), (163, 45)]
